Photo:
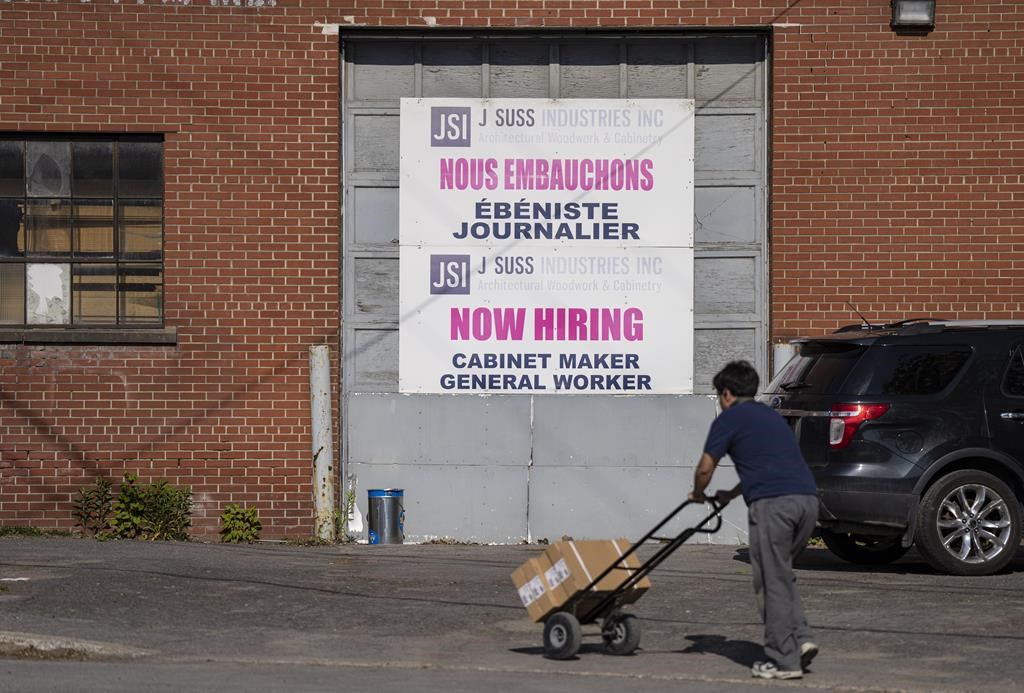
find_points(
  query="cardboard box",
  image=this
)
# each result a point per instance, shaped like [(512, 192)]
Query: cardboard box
[(533, 582), (546, 582), (575, 564)]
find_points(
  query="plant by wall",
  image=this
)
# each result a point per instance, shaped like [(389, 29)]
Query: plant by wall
[(154, 511), (93, 507), (168, 511), (342, 517), (240, 525)]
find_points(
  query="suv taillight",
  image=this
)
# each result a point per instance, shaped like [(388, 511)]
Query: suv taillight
[(844, 419)]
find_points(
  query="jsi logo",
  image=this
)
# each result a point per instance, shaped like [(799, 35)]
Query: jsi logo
[(449, 274), (449, 126)]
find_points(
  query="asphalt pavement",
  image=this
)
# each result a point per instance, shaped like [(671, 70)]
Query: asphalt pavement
[(82, 615)]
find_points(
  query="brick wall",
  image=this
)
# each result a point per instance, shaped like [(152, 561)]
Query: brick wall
[(896, 164), (248, 101), (897, 179)]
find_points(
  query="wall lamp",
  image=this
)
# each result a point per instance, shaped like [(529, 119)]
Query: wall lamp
[(913, 14)]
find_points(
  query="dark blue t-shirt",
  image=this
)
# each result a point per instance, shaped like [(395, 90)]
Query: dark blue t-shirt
[(764, 450)]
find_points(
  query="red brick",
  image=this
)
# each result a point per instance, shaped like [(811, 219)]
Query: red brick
[(895, 184)]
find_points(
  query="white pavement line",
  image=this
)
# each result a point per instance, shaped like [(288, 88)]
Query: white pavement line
[(804, 684), (18, 579), (13, 643)]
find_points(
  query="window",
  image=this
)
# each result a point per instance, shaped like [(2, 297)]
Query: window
[(820, 368), (916, 370), (81, 231)]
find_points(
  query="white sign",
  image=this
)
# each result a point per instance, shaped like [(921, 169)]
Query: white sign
[(546, 246)]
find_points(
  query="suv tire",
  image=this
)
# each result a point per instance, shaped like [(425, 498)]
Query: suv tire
[(969, 523), (862, 549)]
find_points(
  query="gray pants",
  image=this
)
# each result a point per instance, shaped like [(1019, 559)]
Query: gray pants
[(779, 530)]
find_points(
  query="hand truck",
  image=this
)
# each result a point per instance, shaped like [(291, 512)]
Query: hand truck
[(620, 631)]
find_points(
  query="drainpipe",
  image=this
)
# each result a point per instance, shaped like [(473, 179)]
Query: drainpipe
[(323, 444)]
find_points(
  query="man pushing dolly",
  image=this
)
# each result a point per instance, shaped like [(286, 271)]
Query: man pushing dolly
[(782, 502)]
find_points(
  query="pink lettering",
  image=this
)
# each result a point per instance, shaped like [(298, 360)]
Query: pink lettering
[(577, 174), (594, 324), (473, 174), (482, 324)]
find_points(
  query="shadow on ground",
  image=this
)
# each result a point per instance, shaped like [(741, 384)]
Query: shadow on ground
[(742, 652), (821, 559), (586, 649)]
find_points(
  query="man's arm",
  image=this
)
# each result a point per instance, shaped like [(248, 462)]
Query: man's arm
[(724, 496), (702, 477)]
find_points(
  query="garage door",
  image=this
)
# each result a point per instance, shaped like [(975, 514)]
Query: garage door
[(495, 442)]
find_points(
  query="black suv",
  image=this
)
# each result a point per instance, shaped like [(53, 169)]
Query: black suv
[(915, 434)]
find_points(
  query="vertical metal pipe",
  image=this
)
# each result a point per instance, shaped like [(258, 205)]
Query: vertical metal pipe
[(323, 443)]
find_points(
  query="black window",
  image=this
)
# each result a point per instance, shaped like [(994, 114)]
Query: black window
[(81, 231), (915, 370), (820, 368), (1013, 381)]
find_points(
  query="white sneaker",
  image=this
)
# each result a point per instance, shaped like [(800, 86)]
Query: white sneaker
[(808, 651), (768, 670)]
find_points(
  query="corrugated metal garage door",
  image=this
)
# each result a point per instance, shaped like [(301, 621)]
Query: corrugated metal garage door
[(499, 446)]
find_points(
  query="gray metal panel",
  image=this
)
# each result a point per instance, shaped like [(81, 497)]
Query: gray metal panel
[(726, 142), (380, 71), (589, 69), (371, 359), (470, 430), (723, 215), (375, 215), (713, 348), (658, 69), (485, 504), (726, 285), (599, 431), (607, 502), (520, 70), (376, 287), (452, 69), (729, 69), (375, 137)]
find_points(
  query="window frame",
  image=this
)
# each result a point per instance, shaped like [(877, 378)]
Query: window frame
[(120, 328), (1016, 350)]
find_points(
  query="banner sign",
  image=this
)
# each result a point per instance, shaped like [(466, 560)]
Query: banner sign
[(546, 246)]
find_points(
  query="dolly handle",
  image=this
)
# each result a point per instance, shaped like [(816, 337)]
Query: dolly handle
[(639, 542), (638, 574)]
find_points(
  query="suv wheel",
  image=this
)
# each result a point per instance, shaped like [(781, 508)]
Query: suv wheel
[(866, 550), (968, 523)]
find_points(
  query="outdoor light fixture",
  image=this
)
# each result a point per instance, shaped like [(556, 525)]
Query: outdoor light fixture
[(913, 14)]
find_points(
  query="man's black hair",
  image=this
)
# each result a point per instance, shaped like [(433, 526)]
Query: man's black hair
[(738, 377)]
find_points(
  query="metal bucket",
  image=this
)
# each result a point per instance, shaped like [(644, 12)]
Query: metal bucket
[(386, 523)]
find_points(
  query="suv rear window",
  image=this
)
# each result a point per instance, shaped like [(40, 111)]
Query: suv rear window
[(824, 368), (914, 370), (820, 368)]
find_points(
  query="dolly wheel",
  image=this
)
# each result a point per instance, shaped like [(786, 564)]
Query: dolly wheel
[(562, 636), (621, 634)]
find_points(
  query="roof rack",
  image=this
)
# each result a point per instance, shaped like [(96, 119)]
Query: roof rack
[(865, 326), (980, 323), (928, 322)]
